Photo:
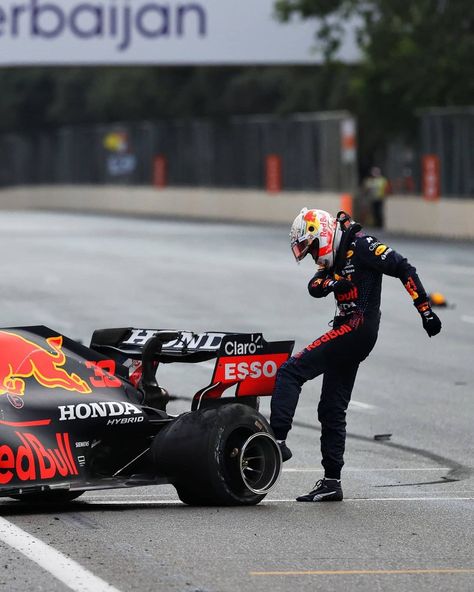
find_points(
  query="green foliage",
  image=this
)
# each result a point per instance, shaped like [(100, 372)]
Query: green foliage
[(38, 98), (416, 53)]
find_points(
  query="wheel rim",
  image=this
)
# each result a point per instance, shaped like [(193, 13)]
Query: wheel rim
[(260, 462)]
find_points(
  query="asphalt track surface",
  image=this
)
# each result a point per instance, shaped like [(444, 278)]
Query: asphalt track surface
[(407, 520)]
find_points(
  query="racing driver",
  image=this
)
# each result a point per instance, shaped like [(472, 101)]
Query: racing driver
[(350, 265)]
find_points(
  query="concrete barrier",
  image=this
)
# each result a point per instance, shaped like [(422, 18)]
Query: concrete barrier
[(415, 216), (216, 204), (410, 215)]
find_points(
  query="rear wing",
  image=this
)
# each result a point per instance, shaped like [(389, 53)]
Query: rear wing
[(177, 346), (244, 360)]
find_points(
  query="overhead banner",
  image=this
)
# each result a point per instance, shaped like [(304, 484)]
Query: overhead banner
[(75, 32)]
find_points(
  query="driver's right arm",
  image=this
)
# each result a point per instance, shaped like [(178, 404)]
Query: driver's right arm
[(321, 284)]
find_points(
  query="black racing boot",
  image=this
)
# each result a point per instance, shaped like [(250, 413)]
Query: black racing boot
[(286, 453), (325, 490)]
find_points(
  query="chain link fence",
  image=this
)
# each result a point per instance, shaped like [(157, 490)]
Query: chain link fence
[(449, 134), (197, 153)]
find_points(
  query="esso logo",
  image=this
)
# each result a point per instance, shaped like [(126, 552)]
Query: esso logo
[(243, 370)]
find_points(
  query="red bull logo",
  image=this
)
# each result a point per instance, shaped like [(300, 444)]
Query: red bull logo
[(326, 236), (318, 223), (333, 334), (353, 294), (22, 358), (310, 216), (31, 460), (312, 222)]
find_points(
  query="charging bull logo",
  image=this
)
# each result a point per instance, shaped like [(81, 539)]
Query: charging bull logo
[(310, 216), (312, 222), (22, 359)]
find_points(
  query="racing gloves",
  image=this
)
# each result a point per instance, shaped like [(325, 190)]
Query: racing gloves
[(321, 285), (343, 287), (345, 291), (430, 320)]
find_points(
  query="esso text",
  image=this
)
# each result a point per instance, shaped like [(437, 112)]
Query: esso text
[(256, 369)]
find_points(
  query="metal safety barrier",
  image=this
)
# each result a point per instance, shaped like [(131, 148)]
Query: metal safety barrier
[(312, 150)]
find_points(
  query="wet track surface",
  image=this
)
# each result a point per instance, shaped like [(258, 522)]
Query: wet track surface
[(407, 521)]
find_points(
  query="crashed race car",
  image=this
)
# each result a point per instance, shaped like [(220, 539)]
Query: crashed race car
[(76, 418)]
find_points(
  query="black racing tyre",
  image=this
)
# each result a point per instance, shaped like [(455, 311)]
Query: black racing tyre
[(48, 497), (219, 456)]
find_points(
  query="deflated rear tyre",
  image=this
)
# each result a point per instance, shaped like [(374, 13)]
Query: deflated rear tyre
[(219, 456)]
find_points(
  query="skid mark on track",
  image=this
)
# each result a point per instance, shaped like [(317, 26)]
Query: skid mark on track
[(78, 520), (457, 471), (371, 470), (439, 481)]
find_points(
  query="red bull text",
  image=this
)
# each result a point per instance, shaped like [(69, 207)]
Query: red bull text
[(31, 460), (333, 334)]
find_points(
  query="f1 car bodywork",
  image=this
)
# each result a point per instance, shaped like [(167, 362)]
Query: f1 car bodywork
[(76, 418)]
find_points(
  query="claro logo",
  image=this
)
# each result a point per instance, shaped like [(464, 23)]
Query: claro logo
[(120, 21), (244, 348), (126, 412), (31, 460)]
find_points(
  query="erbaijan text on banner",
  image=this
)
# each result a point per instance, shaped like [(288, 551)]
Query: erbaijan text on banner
[(118, 21), (145, 31)]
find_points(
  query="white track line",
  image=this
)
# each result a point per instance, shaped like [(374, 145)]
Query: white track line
[(151, 503), (383, 499), (363, 572), (317, 470), (467, 319), (64, 569), (151, 498), (361, 405)]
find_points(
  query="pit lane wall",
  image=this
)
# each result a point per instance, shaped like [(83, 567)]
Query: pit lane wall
[(409, 215)]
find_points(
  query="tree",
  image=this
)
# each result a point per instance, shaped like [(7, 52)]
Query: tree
[(42, 98), (416, 53)]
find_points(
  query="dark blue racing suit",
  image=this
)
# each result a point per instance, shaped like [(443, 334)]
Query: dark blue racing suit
[(338, 353)]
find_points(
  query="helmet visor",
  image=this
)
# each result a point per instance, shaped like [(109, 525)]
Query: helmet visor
[(301, 247)]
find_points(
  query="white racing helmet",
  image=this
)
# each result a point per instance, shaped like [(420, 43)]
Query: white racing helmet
[(318, 231)]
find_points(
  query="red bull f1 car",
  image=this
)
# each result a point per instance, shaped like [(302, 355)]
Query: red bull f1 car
[(76, 418)]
